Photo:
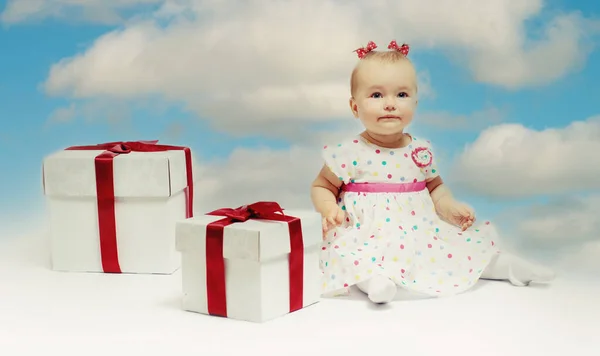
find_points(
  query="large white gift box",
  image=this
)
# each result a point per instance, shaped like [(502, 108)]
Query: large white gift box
[(254, 269), (112, 207)]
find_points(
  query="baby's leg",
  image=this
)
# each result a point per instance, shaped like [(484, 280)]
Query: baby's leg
[(379, 289), (520, 272)]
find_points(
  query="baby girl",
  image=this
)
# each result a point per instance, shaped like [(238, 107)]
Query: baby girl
[(389, 220)]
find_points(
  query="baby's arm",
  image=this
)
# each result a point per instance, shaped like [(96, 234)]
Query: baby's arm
[(324, 191), (447, 208), (441, 196), (440, 193)]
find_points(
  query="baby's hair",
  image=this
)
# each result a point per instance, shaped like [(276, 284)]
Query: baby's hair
[(367, 54)]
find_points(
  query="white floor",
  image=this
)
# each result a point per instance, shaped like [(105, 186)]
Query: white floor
[(43, 312)]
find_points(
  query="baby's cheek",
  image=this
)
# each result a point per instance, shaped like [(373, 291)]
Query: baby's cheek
[(370, 106), (407, 114)]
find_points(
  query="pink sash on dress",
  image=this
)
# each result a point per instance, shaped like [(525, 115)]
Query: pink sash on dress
[(385, 187)]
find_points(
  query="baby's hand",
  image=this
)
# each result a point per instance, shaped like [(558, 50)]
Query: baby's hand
[(460, 215), (332, 216)]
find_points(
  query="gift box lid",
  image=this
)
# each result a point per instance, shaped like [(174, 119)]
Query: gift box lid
[(257, 240), (136, 174)]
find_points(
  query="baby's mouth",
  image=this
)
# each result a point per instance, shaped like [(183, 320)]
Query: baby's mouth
[(390, 117)]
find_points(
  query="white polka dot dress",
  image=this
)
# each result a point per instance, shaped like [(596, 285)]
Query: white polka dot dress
[(398, 234)]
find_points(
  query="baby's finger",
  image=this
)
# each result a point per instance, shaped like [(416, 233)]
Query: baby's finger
[(324, 224), (465, 212), (331, 220), (471, 213), (472, 216)]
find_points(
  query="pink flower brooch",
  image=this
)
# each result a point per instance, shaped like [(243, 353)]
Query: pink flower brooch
[(422, 156)]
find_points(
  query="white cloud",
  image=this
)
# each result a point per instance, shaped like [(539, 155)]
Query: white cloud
[(511, 160), (565, 232), (563, 49), (249, 65), (426, 89), (562, 222), (96, 11), (476, 120), (108, 110), (586, 259), (250, 175), (64, 114)]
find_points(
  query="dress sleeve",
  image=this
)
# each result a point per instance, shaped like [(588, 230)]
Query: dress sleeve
[(426, 159), (431, 171), (339, 160)]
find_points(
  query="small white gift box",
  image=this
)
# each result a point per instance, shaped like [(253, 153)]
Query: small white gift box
[(113, 207), (253, 270)]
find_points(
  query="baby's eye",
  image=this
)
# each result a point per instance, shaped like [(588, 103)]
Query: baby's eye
[(376, 95), (403, 95)]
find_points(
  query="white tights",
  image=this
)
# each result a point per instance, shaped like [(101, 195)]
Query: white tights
[(503, 266), (520, 272)]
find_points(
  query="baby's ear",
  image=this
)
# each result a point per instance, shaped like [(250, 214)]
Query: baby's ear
[(353, 107)]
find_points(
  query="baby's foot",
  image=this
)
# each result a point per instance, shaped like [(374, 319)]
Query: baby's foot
[(523, 272), (379, 289), (518, 271)]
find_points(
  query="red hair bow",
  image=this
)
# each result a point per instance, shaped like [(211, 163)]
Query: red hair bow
[(402, 49), (362, 52)]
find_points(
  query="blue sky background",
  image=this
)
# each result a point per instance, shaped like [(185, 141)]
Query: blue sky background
[(28, 50)]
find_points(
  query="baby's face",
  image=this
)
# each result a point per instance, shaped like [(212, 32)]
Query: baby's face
[(385, 96)]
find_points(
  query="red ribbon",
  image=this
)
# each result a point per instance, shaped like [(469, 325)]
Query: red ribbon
[(215, 263), (363, 51), (105, 191), (402, 49)]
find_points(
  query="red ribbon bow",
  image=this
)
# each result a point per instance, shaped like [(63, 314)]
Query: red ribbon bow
[(402, 49), (215, 262), (264, 210), (105, 191), (362, 52)]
